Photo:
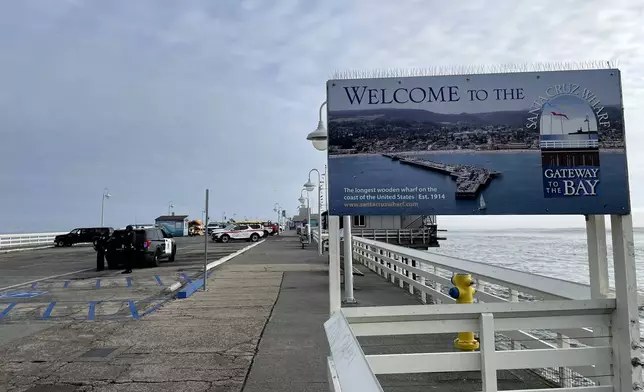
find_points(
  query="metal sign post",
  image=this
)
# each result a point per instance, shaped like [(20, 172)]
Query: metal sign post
[(205, 259)]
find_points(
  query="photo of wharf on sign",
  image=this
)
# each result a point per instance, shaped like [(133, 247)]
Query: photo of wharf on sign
[(520, 143)]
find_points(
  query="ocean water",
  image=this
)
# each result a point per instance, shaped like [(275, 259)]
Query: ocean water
[(554, 253), (518, 191)]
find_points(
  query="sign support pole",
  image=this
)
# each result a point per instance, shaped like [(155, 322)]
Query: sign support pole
[(626, 322), (348, 260), (334, 264), (205, 260), (599, 286)]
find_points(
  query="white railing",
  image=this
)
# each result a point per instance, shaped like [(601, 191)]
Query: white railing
[(428, 275), (347, 361), (18, 241), (569, 143), (325, 238), (422, 236)]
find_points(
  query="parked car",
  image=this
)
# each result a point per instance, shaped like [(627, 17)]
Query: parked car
[(239, 232), (152, 245), (213, 226), (269, 228), (82, 235)]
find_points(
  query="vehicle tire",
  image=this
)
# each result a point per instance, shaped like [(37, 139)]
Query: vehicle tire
[(154, 259), (266, 233), (225, 238), (60, 243), (173, 254), (254, 237)]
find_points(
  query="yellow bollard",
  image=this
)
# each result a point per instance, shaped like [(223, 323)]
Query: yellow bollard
[(463, 292)]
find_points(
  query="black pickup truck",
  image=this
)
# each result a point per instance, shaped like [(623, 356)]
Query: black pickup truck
[(82, 235)]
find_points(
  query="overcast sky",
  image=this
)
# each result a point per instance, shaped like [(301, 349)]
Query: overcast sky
[(157, 100)]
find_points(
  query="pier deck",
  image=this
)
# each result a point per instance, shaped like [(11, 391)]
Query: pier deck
[(259, 327), (470, 180)]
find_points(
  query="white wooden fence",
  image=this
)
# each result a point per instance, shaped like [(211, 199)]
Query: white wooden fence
[(486, 319), (565, 338), (18, 241)]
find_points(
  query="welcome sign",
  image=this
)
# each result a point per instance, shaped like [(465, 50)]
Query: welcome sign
[(514, 143)]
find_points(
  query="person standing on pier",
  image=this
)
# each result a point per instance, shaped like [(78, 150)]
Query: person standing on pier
[(129, 242), (101, 244)]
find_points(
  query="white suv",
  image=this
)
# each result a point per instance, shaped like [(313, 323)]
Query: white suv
[(239, 232)]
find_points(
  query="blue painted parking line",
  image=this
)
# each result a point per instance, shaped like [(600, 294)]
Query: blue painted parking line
[(48, 311), (135, 313), (91, 313), (7, 310), (137, 310), (66, 285), (158, 280), (128, 282), (186, 277), (98, 283)]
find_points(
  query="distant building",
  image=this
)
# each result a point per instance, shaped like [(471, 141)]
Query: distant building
[(514, 146), (389, 222), (300, 219), (177, 225), (374, 225)]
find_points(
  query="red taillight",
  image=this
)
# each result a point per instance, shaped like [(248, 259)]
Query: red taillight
[(147, 244)]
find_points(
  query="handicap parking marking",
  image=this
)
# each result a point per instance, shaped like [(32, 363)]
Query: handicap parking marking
[(79, 311), (21, 294), (101, 283)]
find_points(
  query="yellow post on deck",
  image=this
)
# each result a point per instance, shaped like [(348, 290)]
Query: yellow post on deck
[(463, 292)]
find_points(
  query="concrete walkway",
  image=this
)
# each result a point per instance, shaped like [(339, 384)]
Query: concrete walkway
[(258, 328), (217, 340)]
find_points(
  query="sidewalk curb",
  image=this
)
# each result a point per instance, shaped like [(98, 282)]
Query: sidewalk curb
[(173, 287), (192, 287)]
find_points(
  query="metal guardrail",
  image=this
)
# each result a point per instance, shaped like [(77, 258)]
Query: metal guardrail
[(428, 275), (19, 241)]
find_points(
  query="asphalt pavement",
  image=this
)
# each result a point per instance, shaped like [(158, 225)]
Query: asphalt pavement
[(61, 284)]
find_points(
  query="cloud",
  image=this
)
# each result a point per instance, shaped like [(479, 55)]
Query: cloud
[(159, 100)]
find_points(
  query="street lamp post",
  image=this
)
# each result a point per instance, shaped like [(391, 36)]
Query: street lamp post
[(170, 207), (309, 186), (319, 137), (308, 211), (277, 208), (106, 195)]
